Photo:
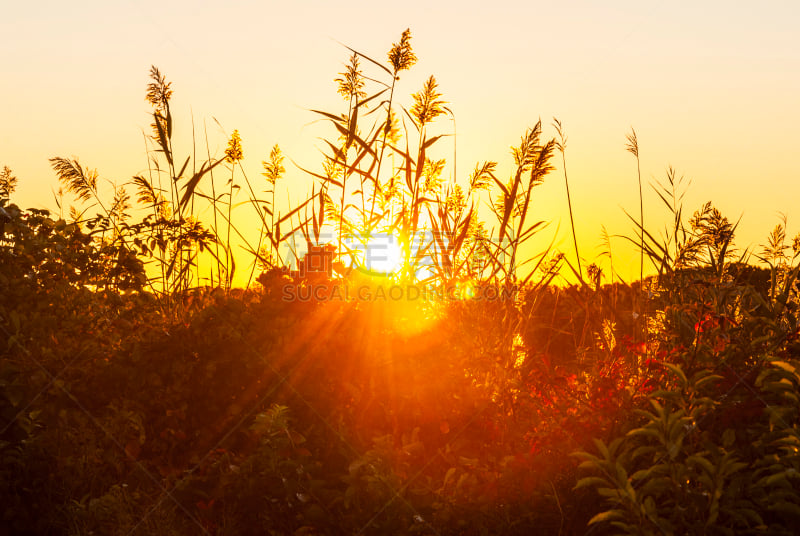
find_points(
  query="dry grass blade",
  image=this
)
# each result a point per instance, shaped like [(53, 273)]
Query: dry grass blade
[(160, 124), (280, 238), (540, 258), (363, 103), (651, 247), (338, 154), (183, 168), (295, 210), (195, 180), (462, 235), (527, 233), (362, 55), (321, 220), (333, 117), (353, 166), (352, 136), (324, 178)]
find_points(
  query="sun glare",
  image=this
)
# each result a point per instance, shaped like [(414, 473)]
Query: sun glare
[(382, 254)]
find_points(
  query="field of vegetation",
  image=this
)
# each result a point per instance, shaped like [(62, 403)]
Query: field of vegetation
[(465, 389)]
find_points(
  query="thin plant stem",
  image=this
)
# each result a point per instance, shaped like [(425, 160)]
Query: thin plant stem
[(214, 207), (633, 148), (229, 251), (383, 143), (562, 146)]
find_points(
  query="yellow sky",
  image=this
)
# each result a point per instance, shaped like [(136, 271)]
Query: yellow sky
[(712, 88)]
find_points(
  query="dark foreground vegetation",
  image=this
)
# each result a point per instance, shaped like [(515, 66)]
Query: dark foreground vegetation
[(140, 396)]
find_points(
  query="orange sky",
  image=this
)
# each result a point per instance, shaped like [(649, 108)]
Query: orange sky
[(712, 89)]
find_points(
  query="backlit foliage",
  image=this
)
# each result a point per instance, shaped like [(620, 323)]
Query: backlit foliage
[(142, 393)]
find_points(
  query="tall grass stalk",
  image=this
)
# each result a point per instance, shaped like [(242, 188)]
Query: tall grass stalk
[(273, 170), (214, 209), (561, 145), (401, 57), (633, 148), (511, 208), (233, 155), (606, 252)]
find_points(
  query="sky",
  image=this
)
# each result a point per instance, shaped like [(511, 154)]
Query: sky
[(712, 89)]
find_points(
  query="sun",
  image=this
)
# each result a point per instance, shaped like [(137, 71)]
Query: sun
[(382, 254)]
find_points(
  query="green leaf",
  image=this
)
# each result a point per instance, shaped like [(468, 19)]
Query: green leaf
[(591, 481), (785, 507), (589, 464), (728, 438), (646, 431), (602, 448), (784, 365), (699, 383), (775, 480), (656, 487), (609, 515), (700, 461), (678, 372), (641, 474)]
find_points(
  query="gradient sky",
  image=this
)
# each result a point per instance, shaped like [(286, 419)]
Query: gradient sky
[(712, 88)]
